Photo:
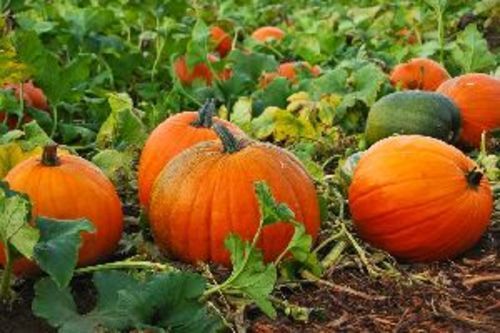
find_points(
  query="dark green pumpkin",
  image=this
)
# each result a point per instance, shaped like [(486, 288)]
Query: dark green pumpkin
[(413, 112)]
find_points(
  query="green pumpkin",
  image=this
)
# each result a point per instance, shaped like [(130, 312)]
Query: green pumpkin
[(413, 112)]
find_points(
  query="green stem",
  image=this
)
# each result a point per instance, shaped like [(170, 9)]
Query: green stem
[(229, 142), (5, 292), (205, 114), (159, 52), (334, 255), (21, 105), (55, 117), (127, 264)]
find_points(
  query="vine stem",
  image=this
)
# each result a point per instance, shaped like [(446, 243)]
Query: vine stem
[(5, 292), (127, 264), (54, 126)]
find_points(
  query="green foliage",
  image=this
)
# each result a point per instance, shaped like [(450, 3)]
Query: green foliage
[(163, 302), (470, 51), (56, 252)]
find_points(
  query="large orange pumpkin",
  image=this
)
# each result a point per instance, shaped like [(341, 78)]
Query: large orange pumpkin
[(33, 97), (478, 98), (266, 34), (171, 137), (289, 70), (419, 73), (69, 187), (207, 192), (419, 198), (221, 40)]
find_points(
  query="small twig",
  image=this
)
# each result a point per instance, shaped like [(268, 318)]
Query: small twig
[(471, 282), (126, 265), (343, 289)]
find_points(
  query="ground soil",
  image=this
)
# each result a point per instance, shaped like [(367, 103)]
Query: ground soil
[(455, 296)]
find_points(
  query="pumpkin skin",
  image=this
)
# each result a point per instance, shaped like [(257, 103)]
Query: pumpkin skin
[(413, 112), (419, 199), (221, 40), (419, 73), (478, 99), (267, 34), (289, 70), (207, 192), (170, 138), (69, 187), (33, 97)]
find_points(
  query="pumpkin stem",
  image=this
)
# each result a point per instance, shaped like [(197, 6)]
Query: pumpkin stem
[(229, 141), (474, 177), (49, 155), (205, 114)]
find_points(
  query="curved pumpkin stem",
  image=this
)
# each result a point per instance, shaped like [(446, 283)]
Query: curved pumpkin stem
[(49, 155), (474, 178), (229, 141), (205, 114)]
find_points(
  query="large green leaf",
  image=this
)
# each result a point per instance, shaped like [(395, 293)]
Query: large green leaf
[(57, 250)]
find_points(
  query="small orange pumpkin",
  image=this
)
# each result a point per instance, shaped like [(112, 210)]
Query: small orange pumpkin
[(288, 70), (419, 73), (170, 138), (478, 99), (266, 34), (69, 187), (33, 97), (207, 192), (221, 40), (419, 198)]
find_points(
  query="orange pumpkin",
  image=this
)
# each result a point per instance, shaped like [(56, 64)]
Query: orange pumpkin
[(199, 71), (288, 70), (170, 138), (221, 40), (33, 97), (419, 73), (419, 198), (207, 192), (478, 99), (266, 34), (69, 187)]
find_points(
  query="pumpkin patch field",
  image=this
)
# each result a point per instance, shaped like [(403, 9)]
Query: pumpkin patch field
[(249, 166)]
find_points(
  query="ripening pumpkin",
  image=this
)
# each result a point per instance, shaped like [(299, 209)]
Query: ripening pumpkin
[(221, 40), (478, 99), (419, 198), (170, 138), (207, 192), (419, 73), (33, 97), (69, 187), (267, 34), (289, 70), (199, 71)]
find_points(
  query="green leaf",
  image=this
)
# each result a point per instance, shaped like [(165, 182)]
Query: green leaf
[(197, 46), (241, 114), (123, 128), (167, 301), (57, 250), (470, 51), (34, 136), (282, 124), (115, 164), (15, 214), (250, 275), (332, 82), (251, 65), (270, 210), (275, 94), (368, 81), (54, 304)]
